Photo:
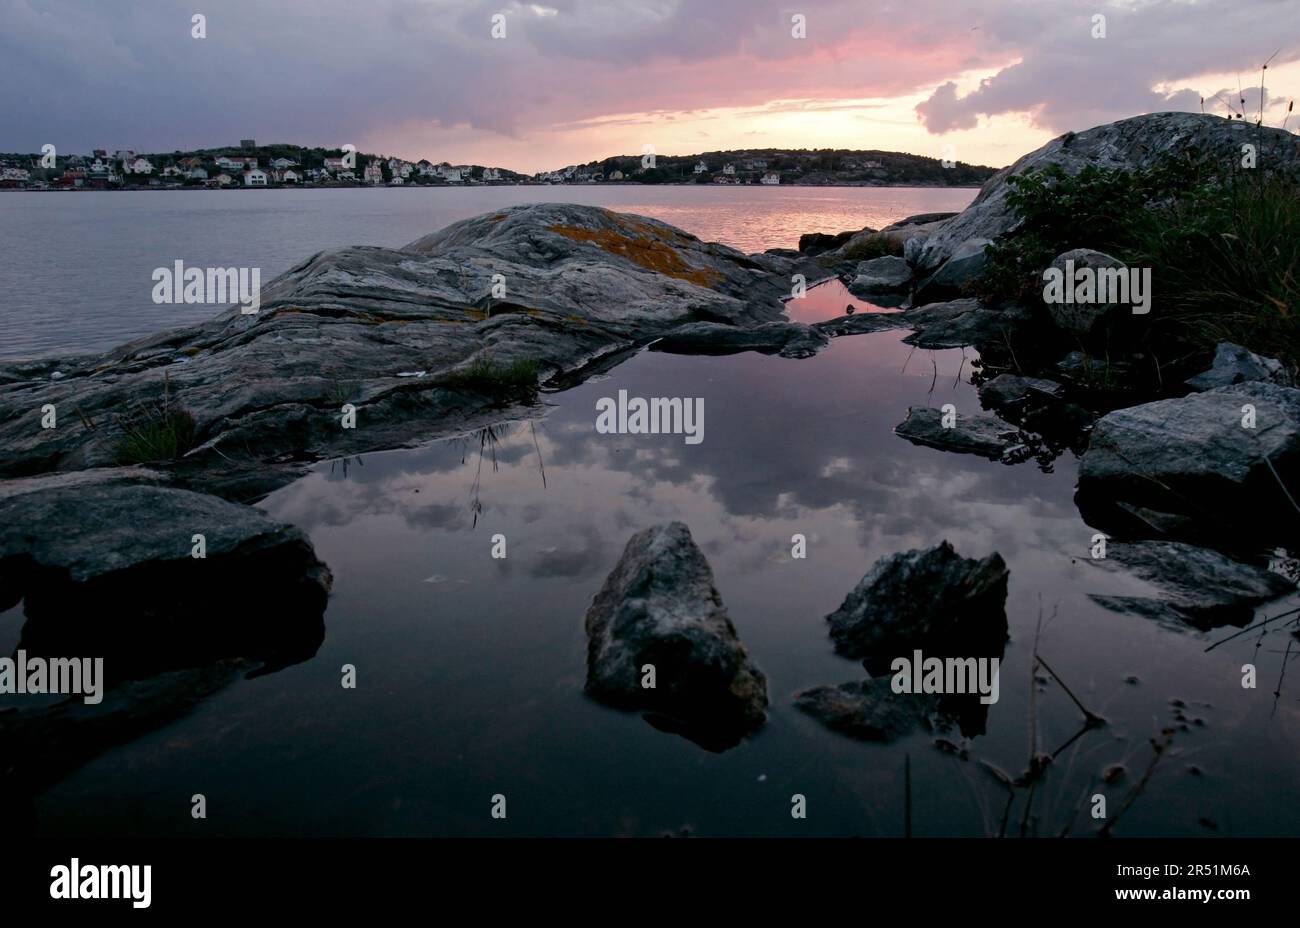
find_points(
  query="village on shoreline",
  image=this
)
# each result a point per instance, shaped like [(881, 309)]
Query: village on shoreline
[(249, 166)]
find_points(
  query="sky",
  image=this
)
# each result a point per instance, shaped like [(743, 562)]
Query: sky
[(571, 81)]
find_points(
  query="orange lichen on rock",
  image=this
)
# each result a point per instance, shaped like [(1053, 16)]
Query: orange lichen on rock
[(646, 248)]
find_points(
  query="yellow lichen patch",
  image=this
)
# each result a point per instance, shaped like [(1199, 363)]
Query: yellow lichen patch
[(497, 218), (191, 352), (645, 248)]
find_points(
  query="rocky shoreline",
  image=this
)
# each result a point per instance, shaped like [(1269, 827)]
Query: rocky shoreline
[(468, 326)]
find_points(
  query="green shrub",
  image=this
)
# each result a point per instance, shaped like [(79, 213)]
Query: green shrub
[(1223, 244), (162, 432)]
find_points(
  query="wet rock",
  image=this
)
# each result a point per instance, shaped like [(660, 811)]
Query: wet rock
[(1192, 456), (881, 276), (963, 267), (958, 323), (932, 599), (987, 436), (1101, 374), (103, 564), (788, 339), (1234, 364), (1140, 142), (860, 324), (868, 710), (890, 240), (582, 283), (659, 606), (1083, 318), (817, 243), (1012, 395), (1197, 586)]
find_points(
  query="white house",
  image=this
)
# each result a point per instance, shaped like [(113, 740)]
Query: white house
[(452, 175), (21, 174), (254, 178), (701, 167), (771, 177), (396, 182), (490, 174), (373, 174), (286, 176), (729, 169), (237, 164), (281, 164), (197, 174), (223, 179), (615, 175), (172, 171), (426, 169), (139, 166)]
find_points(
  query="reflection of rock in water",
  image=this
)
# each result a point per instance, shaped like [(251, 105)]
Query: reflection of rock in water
[(103, 565), (930, 600), (659, 607)]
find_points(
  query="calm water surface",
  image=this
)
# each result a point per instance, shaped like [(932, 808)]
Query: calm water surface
[(76, 269), (470, 669)]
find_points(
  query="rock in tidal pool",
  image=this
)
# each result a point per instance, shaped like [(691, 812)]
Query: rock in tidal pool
[(1226, 458), (868, 710), (659, 607), (787, 339), (1197, 586), (987, 436), (932, 599), (966, 321)]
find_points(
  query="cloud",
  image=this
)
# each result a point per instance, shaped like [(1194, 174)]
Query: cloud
[(1148, 60)]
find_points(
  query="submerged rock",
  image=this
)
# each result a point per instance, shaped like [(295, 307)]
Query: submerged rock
[(104, 564), (788, 339), (958, 323), (987, 436), (1198, 586), (860, 324), (868, 710), (1197, 456), (1234, 364), (932, 599), (659, 607), (1014, 395)]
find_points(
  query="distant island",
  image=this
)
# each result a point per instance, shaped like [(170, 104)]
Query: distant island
[(280, 165)]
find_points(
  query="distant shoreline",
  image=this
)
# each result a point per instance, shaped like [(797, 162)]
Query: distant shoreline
[(161, 189)]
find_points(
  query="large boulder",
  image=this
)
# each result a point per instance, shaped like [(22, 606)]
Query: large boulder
[(1139, 142), (1197, 456), (964, 267), (1234, 364), (105, 565), (659, 607), (412, 337), (1082, 318), (816, 243), (932, 599)]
